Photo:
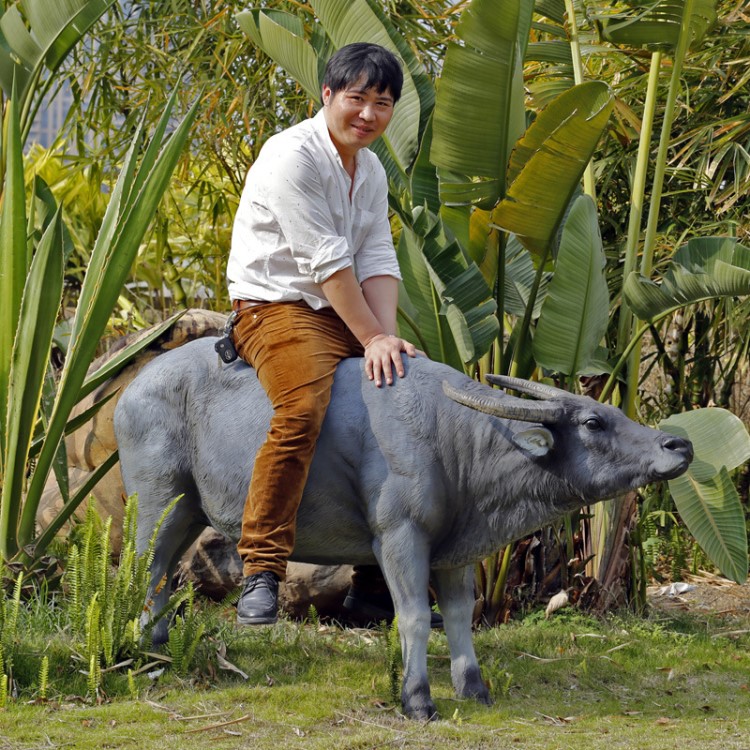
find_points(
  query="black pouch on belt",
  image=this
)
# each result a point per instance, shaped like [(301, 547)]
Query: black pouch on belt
[(225, 345)]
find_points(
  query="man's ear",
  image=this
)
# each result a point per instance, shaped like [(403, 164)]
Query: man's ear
[(536, 440), (326, 95)]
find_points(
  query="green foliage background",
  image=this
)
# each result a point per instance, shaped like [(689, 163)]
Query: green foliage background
[(150, 53)]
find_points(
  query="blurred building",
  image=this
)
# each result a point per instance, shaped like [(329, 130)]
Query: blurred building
[(49, 119)]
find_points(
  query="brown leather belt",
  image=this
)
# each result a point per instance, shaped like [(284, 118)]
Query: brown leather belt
[(243, 304)]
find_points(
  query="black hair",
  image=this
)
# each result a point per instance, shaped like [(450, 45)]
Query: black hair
[(379, 67)]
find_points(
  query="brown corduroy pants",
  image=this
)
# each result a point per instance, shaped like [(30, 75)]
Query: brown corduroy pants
[(294, 350)]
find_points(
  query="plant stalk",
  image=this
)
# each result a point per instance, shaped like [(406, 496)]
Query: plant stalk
[(589, 183), (649, 242), (636, 201)]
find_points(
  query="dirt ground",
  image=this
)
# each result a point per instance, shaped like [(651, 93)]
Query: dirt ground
[(725, 603)]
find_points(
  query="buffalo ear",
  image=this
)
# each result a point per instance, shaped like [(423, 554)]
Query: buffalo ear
[(536, 440)]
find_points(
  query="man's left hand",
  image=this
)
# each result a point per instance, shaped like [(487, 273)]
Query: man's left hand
[(383, 355)]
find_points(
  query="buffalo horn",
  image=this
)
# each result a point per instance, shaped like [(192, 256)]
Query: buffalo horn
[(506, 406), (529, 387)]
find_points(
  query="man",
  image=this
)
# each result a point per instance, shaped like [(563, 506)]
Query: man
[(314, 279)]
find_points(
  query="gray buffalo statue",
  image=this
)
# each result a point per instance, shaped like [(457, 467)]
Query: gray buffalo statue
[(424, 477)]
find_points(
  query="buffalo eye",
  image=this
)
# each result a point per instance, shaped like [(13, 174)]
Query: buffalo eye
[(593, 424)]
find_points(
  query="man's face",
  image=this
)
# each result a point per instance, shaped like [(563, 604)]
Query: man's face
[(356, 116)]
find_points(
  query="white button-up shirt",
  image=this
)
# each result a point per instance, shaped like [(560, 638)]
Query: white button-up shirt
[(296, 224)]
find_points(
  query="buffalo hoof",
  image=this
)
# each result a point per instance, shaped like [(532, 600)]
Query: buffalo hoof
[(420, 709), (474, 687), (425, 713)]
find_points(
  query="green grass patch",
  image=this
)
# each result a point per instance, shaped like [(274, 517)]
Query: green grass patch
[(570, 682)]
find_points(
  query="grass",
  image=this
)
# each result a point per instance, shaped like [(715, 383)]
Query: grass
[(570, 682)]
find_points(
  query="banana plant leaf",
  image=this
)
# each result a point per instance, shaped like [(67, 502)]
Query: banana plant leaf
[(465, 299), (705, 496), (705, 268), (281, 35), (519, 280), (575, 313), (480, 96), (548, 162), (42, 39), (425, 189), (656, 25), (424, 305), (552, 9)]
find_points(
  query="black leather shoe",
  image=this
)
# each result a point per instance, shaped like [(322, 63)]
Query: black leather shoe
[(376, 607), (259, 600)]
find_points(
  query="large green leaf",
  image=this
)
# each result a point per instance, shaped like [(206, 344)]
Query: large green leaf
[(465, 298), (480, 97), (705, 497), (54, 28), (433, 327), (115, 363), (713, 513), (575, 312), (30, 356), (548, 162), (423, 178), (520, 275), (701, 427), (706, 268), (656, 24), (281, 36), (14, 257)]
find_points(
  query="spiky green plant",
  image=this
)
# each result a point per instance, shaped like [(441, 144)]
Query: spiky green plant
[(9, 614), (117, 591), (185, 634), (44, 678), (132, 687)]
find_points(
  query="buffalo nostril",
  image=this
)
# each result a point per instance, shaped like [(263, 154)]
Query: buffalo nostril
[(674, 443)]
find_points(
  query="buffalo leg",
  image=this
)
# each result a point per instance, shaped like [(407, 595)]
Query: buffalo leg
[(178, 531), (455, 596), (404, 559)]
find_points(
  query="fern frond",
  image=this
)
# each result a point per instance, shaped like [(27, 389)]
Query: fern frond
[(132, 689), (129, 524), (104, 564), (73, 581), (94, 678), (44, 678), (12, 611), (93, 631)]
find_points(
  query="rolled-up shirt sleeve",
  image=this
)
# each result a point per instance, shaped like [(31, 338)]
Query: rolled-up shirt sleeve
[(294, 193), (375, 255)]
